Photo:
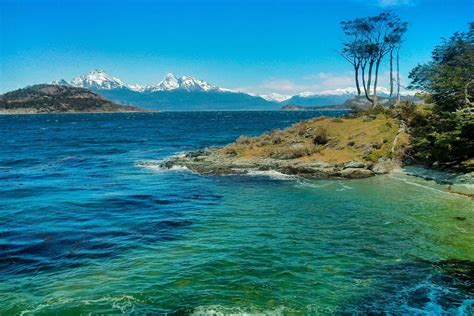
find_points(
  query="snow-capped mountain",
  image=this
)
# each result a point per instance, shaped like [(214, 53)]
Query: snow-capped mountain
[(340, 91), (171, 82), (351, 91), (98, 79), (171, 93), (322, 98), (276, 97)]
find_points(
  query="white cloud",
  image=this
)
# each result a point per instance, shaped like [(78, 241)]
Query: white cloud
[(387, 3), (281, 86), (331, 81), (394, 3), (311, 82), (318, 82)]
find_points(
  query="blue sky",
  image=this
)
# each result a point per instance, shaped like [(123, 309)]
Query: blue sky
[(257, 46)]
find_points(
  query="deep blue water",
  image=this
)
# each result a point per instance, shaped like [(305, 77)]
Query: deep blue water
[(87, 227)]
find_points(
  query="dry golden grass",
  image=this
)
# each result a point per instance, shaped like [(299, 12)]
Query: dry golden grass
[(325, 139)]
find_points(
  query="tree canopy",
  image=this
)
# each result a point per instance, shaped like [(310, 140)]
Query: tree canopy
[(369, 40), (444, 136), (449, 76)]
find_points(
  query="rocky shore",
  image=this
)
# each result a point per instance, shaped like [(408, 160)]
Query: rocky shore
[(210, 161)]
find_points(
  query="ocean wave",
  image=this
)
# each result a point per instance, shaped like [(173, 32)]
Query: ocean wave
[(124, 303), (218, 310), (156, 166), (48, 304), (273, 174)]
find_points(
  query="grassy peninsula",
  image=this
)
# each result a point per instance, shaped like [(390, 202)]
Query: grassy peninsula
[(350, 147)]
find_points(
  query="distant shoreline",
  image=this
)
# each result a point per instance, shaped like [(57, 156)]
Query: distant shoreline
[(295, 107), (161, 111), (86, 112)]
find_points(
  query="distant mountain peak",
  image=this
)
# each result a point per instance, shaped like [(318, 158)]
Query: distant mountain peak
[(171, 82), (341, 92), (98, 79), (276, 97)]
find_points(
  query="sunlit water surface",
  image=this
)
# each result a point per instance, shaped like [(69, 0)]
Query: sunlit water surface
[(85, 228)]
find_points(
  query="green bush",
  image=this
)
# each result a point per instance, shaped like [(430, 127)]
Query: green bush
[(442, 139)]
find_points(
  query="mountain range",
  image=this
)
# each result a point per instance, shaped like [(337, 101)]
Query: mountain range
[(171, 93), (188, 93)]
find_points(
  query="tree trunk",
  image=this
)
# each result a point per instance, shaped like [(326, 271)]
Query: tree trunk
[(467, 101), (391, 72), (377, 65), (363, 80), (398, 76), (369, 81), (356, 68)]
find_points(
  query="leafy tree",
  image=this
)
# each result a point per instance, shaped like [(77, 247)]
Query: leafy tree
[(449, 77), (444, 136), (370, 39)]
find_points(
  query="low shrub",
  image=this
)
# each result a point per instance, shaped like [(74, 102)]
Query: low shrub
[(296, 151), (320, 136), (244, 140)]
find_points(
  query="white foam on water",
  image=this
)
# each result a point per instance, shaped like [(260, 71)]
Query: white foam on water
[(125, 303), (343, 187), (47, 304), (427, 187), (179, 168), (155, 165), (180, 154), (273, 174), (218, 310), (340, 185)]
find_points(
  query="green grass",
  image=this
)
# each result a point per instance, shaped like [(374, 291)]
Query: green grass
[(364, 138)]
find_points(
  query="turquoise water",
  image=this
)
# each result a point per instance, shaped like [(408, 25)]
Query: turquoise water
[(87, 225)]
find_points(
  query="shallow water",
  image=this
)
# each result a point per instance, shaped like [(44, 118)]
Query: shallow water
[(87, 227)]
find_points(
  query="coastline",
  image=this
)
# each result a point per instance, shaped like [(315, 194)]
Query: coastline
[(209, 161), (347, 147), (203, 163), (77, 112)]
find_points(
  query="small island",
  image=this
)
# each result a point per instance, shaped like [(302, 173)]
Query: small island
[(50, 98)]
